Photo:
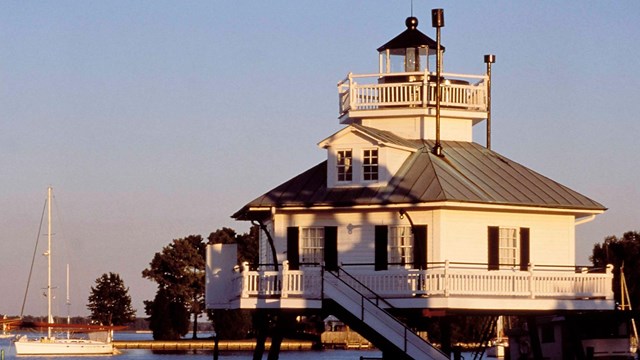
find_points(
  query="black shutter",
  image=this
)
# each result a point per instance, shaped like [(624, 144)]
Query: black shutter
[(524, 249), (381, 239), (293, 247), (331, 248), (420, 247), (494, 248)]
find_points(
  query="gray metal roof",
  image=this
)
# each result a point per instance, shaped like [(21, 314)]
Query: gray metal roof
[(468, 172)]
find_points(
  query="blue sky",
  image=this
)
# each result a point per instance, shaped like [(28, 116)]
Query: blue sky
[(154, 120)]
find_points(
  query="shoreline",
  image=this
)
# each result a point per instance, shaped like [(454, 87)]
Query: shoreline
[(208, 344)]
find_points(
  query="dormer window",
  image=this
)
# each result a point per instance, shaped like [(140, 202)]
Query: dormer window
[(370, 165), (344, 167), (361, 156)]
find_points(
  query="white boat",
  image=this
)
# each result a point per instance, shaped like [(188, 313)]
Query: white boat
[(51, 345), (54, 346)]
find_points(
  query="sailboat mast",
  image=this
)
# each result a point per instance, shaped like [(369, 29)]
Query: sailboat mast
[(68, 299), (68, 303), (49, 316)]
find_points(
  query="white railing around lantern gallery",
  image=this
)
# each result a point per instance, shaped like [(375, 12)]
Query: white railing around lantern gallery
[(411, 89), (444, 280)]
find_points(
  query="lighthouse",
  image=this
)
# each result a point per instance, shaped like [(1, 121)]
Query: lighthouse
[(408, 217)]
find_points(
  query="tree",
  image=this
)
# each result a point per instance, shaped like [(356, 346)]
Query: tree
[(618, 252), (179, 271), (109, 302), (168, 320)]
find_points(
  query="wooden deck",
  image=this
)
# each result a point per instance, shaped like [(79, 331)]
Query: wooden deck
[(223, 345)]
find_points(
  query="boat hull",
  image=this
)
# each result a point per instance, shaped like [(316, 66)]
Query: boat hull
[(62, 347)]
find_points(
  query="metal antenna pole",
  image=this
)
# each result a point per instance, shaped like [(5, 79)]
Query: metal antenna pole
[(437, 21), (489, 59)]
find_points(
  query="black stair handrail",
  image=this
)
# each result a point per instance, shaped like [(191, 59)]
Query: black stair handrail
[(487, 332), (375, 295), (406, 329)]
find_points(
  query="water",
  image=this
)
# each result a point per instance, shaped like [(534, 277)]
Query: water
[(208, 355), (134, 354)]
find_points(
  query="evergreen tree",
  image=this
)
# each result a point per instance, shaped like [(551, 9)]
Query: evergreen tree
[(109, 301)]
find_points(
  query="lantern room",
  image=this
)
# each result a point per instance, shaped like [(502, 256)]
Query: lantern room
[(410, 51)]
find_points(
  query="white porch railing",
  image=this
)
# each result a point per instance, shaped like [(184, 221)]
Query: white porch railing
[(444, 281), (411, 89)]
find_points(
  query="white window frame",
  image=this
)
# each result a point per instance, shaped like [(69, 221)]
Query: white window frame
[(344, 169), (400, 246), (508, 247), (311, 245), (369, 163)]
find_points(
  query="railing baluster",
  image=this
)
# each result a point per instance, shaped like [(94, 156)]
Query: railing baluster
[(443, 281), (531, 282), (284, 292)]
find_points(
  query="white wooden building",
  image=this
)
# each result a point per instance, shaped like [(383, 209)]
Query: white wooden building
[(407, 212)]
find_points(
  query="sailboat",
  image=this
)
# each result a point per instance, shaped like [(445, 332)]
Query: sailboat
[(51, 345)]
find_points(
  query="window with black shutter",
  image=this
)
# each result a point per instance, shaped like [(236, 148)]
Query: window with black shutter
[(293, 248), (381, 236), (524, 249), (331, 248), (420, 247), (494, 248)]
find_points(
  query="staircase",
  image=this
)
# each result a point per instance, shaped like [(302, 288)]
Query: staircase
[(361, 309)]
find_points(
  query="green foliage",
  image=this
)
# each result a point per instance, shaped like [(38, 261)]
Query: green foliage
[(232, 324), (109, 301), (179, 271), (168, 319), (247, 242), (623, 251)]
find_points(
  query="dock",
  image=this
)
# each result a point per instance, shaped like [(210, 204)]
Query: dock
[(208, 344)]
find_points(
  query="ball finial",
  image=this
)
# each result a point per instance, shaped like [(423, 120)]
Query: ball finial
[(411, 22)]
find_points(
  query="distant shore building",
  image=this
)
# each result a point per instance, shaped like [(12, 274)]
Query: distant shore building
[(408, 216)]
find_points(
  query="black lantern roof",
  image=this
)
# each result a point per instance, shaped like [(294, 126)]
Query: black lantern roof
[(410, 38)]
